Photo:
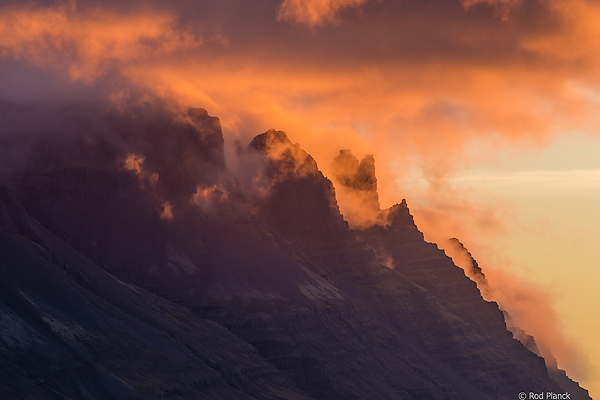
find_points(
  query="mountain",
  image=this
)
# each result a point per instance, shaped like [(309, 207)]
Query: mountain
[(70, 330), (136, 264)]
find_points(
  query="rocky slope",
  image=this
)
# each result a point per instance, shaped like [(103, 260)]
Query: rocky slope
[(300, 304), (69, 330)]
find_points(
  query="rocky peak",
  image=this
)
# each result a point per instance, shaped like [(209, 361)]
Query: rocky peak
[(345, 166), (364, 178), (300, 198), (354, 174), (357, 180), (270, 139), (285, 159), (399, 223)]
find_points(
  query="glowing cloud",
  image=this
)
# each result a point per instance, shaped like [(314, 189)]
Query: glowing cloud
[(502, 6), (87, 44), (314, 12), (135, 163), (167, 211)]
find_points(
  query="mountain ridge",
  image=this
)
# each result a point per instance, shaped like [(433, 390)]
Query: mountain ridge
[(278, 269)]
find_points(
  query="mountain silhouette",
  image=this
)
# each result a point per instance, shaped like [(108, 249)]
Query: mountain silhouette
[(136, 264)]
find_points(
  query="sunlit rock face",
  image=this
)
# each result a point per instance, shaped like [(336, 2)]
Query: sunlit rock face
[(251, 286)]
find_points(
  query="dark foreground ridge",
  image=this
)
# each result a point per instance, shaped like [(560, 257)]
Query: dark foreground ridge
[(171, 277)]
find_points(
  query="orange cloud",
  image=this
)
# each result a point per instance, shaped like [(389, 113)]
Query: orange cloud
[(502, 6), (571, 47), (528, 304), (135, 163), (167, 211), (208, 197), (314, 12), (87, 43), (532, 310)]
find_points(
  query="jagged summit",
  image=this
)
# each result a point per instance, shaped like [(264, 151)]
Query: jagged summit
[(354, 174), (285, 159), (399, 222), (269, 139), (356, 187), (299, 197), (231, 297)]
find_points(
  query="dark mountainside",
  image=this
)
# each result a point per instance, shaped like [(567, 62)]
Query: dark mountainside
[(135, 264)]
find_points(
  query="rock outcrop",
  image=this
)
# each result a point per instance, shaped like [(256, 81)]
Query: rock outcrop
[(358, 177), (356, 188)]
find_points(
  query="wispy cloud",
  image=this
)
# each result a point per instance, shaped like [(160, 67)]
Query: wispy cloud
[(546, 180)]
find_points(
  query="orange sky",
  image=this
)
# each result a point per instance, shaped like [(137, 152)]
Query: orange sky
[(415, 82)]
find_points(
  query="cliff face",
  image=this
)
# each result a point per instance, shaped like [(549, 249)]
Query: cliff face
[(69, 330), (429, 267), (301, 306)]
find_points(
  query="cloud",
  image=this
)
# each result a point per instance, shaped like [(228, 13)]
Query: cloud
[(314, 12), (530, 310), (87, 43), (536, 181), (503, 7), (208, 197)]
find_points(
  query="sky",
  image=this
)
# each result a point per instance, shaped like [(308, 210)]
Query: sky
[(481, 113)]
